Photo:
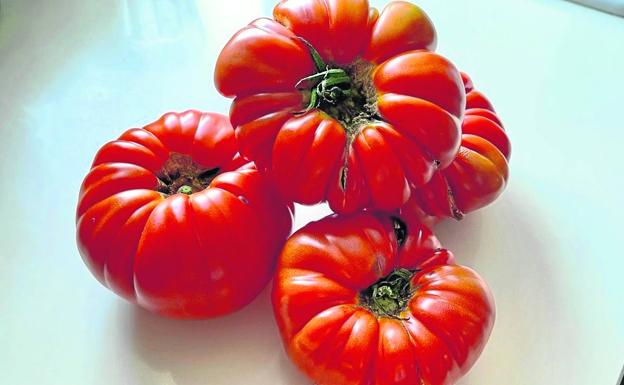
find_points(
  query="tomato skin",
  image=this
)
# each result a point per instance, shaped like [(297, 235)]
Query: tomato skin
[(336, 340), (186, 256), (376, 164), (479, 172)]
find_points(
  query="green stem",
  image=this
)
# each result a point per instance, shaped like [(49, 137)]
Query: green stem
[(330, 85), (188, 190), (316, 57), (389, 296)]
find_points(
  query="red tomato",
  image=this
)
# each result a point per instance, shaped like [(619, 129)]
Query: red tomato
[(370, 299), (479, 173), (170, 217), (343, 103)]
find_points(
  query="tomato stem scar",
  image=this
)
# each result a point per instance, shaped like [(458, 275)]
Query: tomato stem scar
[(181, 175)]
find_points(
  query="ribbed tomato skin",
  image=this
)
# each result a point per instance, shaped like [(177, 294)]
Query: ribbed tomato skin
[(418, 97), (184, 256), (480, 171), (336, 340)]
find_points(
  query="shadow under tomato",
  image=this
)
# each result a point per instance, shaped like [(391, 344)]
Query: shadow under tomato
[(463, 238), (511, 245), (242, 348)]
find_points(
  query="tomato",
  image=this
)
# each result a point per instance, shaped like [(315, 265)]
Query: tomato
[(172, 218), (480, 171), (371, 299), (341, 103)]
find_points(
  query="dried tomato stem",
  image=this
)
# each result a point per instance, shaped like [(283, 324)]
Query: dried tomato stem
[(181, 175)]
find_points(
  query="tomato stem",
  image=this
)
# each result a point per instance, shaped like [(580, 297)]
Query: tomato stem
[(188, 190), (181, 175), (329, 85), (347, 94), (389, 296), (316, 57)]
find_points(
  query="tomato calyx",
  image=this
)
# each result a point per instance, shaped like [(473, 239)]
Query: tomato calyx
[(181, 175), (330, 85), (346, 94), (389, 296)]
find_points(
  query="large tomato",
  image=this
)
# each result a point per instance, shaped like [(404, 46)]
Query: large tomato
[(170, 217), (343, 103), (370, 299), (479, 173)]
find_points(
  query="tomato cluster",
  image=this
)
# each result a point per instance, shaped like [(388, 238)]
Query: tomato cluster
[(332, 101)]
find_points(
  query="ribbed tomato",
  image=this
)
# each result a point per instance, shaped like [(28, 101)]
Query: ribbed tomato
[(342, 103), (172, 218), (480, 171), (370, 299)]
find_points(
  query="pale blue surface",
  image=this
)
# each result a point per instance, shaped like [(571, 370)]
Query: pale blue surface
[(74, 74)]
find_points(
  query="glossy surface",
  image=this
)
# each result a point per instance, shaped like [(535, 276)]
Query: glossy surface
[(331, 334), (479, 172), (403, 121), (548, 247), (197, 255)]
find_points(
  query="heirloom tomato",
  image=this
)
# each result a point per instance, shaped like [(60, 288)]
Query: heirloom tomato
[(172, 218), (370, 299), (479, 173), (342, 103)]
